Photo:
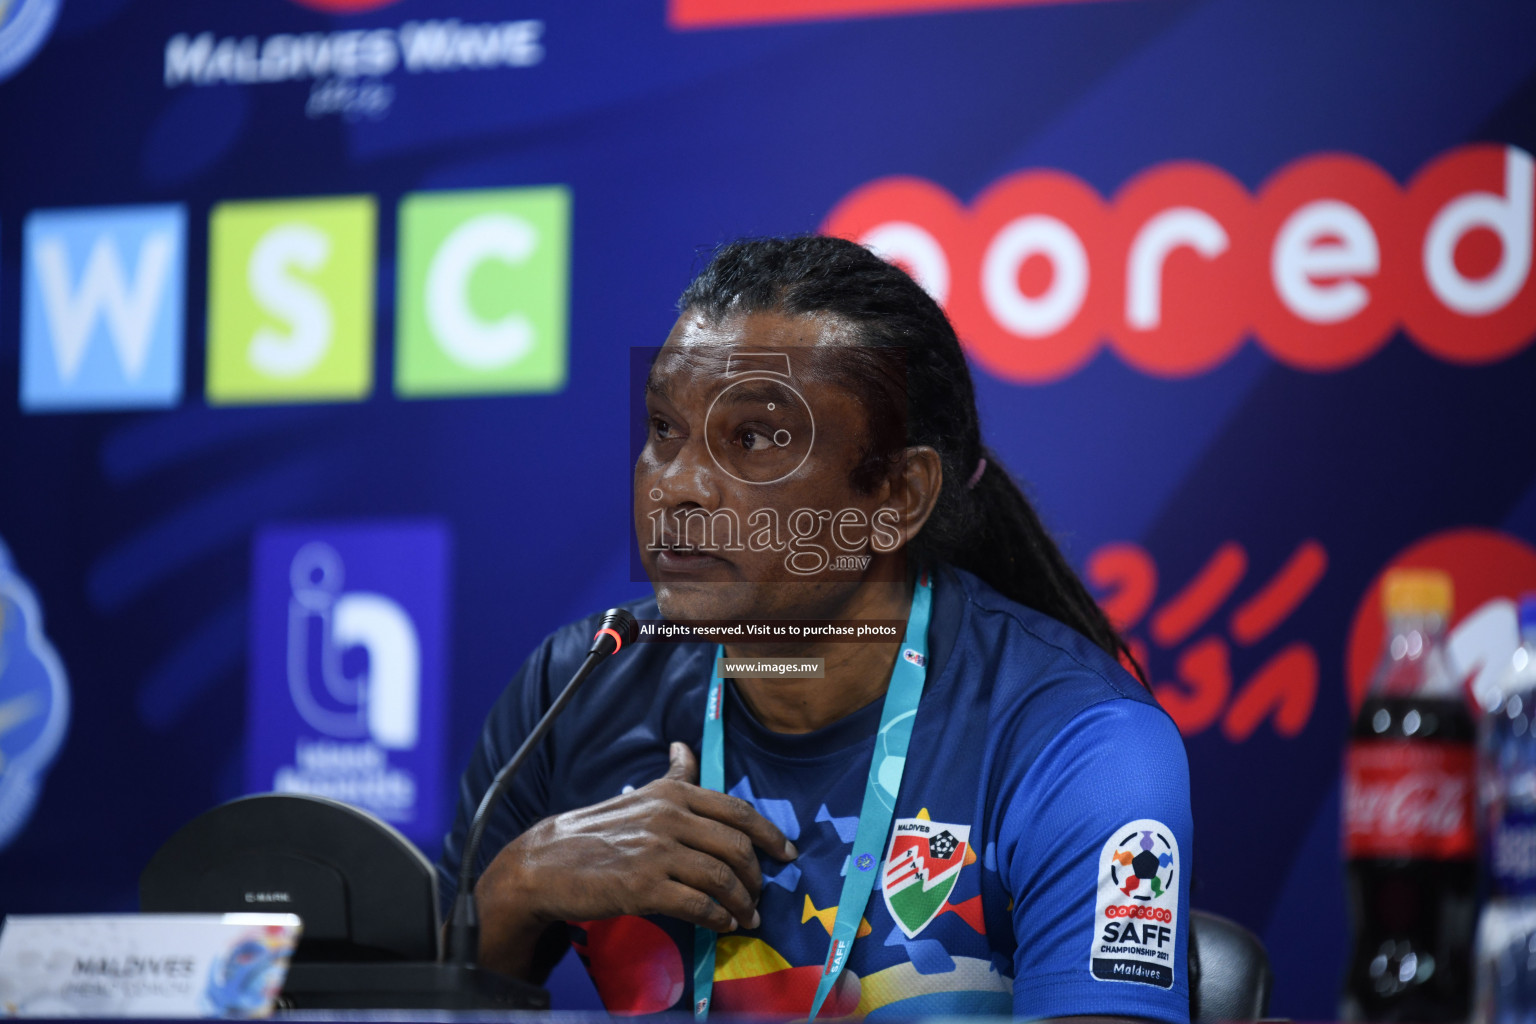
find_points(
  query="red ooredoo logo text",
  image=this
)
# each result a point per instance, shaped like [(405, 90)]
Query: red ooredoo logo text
[(1321, 266)]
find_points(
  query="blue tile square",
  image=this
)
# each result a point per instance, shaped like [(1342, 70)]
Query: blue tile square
[(103, 308)]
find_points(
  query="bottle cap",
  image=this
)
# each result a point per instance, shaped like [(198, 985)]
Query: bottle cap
[(1528, 611), (1416, 592)]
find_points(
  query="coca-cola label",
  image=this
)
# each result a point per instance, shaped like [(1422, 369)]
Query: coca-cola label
[(1404, 798)]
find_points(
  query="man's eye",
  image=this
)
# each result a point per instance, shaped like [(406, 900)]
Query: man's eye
[(661, 428), (754, 441)]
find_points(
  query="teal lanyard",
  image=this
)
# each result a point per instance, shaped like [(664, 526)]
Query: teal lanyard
[(885, 769)]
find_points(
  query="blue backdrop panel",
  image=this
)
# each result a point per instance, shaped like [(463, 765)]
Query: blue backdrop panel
[(190, 363)]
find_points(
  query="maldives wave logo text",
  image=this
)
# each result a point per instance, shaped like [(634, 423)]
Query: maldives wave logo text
[(24, 27)]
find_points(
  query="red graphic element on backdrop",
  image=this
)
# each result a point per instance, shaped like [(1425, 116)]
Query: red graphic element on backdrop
[(715, 13), (345, 6), (1283, 689), (1321, 266), (1485, 565)]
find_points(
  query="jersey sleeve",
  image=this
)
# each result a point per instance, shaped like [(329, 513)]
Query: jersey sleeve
[(512, 717), (1095, 847)]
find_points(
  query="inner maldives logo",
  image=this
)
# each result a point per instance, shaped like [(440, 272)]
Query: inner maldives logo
[(245, 980), (921, 867), (34, 701), (348, 675)]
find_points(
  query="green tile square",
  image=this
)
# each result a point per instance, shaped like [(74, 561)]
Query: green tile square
[(290, 300), (483, 292)]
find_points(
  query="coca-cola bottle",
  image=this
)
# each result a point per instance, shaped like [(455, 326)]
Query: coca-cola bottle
[(1409, 830)]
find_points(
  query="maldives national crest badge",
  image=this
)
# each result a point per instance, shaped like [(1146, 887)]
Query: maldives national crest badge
[(921, 866)]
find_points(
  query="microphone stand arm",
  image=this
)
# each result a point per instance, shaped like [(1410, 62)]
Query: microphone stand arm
[(463, 941)]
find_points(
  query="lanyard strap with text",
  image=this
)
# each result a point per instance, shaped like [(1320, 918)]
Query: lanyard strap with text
[(885, 769)]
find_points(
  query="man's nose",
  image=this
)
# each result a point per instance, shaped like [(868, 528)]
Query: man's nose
[(691, 477)]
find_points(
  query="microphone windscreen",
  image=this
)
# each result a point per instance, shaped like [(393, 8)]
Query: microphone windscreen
[(617, 629), (621, 622)]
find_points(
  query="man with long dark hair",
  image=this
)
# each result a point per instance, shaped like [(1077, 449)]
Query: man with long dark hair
[(980, 812)]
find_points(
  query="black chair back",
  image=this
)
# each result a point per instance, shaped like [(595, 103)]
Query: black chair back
[(1229, 975), (364, 892)]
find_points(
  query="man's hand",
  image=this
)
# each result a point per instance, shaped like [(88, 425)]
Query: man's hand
[(667, 848)]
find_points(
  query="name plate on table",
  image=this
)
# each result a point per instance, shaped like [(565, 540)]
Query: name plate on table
[(144, 965)]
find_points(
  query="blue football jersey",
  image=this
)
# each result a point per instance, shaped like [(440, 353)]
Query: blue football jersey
[(1038, 863)]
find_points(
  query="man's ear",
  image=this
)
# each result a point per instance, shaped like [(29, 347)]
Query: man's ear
[(914, 489)]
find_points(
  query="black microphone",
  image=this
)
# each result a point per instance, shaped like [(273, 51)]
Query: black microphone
[(617, 628)]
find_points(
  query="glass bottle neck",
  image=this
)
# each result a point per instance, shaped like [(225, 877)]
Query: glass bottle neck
[(1413, 662)]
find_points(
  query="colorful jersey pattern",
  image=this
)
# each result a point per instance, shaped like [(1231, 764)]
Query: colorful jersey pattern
[(1038, 860)]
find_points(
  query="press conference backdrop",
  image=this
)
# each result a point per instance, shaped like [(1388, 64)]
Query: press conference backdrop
[(315, 322)]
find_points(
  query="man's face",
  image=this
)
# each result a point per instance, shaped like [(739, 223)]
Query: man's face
[(743, 505)]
